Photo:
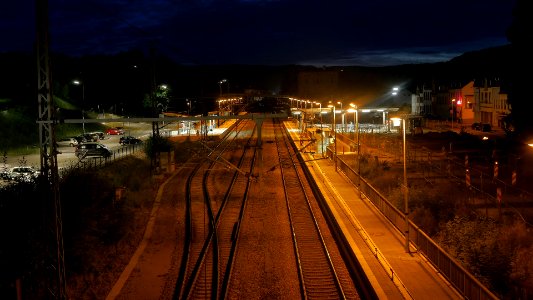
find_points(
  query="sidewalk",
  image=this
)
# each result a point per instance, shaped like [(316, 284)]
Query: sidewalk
[(379, 247)]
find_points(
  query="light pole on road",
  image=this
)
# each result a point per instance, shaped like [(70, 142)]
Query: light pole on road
[(77, 82), (220, 85)]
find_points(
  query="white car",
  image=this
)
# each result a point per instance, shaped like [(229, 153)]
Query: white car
[(67, 142), (23, 174)]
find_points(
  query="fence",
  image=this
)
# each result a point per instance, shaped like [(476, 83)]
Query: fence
[(474, 172), (98, 161), (459, 277)]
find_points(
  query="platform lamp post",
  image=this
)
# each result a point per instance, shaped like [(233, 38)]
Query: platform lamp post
[(342, 112), (320, 114), (406, 189), (355, 111), (306, 113), (312, 112), (356, 122), (77, 82), (334, 126)]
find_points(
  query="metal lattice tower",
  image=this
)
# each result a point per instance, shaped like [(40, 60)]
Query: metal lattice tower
[(48, 152)]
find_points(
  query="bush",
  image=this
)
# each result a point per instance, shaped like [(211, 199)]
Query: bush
[(487, 250)]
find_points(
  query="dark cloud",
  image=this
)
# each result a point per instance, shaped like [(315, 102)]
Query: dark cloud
[(380, 32)]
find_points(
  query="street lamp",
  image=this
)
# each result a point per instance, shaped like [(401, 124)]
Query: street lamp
[(334, 126), (356, 116), (453, 111), (356, 120), (319, 112), (396, 122), (77, 82), (220, 85), (312, 112), (406, 190), (342, 112)]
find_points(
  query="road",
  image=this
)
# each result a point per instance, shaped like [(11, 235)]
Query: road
[(66, 156)]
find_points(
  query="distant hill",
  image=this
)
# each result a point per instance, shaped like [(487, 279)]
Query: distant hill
[(124, 80), (496, 61)]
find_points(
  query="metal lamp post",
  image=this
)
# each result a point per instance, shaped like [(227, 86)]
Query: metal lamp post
[(356, 120), (342, 112), (358, 152), (220, 85), (334, 126), (77, 82), (356, 117), (406, 190), (319, 112)]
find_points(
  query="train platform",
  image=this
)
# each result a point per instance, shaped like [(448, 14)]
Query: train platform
[(379, 247)]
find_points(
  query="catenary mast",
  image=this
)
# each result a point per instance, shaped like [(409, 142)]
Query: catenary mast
[(49, 178)]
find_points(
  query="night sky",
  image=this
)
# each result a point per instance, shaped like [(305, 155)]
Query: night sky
[(267, 32)]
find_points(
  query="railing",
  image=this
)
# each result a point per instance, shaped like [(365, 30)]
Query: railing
[(98, 161), (459, 277)]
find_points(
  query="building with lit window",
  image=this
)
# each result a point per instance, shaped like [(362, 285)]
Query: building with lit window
[(462, 103), (491, 104)]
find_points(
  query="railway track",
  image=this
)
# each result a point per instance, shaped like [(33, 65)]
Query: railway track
[(226, 244), (212, 226), (318, 277)]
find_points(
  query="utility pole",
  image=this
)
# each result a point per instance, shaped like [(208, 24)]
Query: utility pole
[(49, 176)]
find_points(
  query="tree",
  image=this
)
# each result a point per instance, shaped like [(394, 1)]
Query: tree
[(520, 34)]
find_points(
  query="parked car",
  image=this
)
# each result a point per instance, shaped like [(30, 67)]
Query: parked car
[(476, 126), (67, 142), (86, 137), (486, 128), (98, 134), (22, 174), (80, 139), (129, 140), (115, 131), (92, 149)]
